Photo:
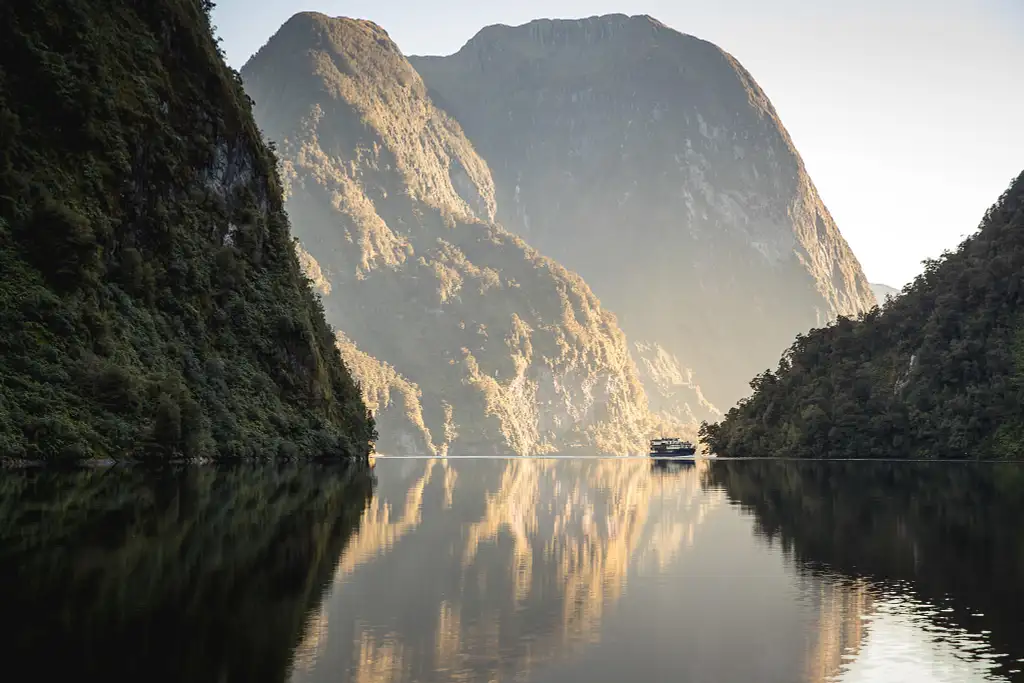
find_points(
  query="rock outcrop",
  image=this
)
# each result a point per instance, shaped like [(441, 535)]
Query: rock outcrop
[(651, 163), (671, 388), (490, 345)]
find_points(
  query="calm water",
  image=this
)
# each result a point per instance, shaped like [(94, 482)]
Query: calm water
[(516, 570)]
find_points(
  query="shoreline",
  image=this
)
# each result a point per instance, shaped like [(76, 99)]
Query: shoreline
[(7, 463)]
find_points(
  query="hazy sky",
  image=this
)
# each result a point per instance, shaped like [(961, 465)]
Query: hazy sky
[(906, 112)]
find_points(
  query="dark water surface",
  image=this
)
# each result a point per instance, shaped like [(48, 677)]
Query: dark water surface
[(540, 570)]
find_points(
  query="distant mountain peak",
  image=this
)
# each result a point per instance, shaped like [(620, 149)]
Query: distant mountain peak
[(882, 292), (310, 18), (551, 33), (328, 71), (336, 35)]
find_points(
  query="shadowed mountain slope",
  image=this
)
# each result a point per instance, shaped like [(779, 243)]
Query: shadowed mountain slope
[(651, 163)]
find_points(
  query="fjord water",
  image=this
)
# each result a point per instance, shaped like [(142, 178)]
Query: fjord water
[(522, 569)]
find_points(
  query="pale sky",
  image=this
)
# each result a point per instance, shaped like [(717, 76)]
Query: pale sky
[(906, 112)]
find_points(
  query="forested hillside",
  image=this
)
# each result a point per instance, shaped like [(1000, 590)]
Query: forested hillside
[(939, 373), (151, 302)]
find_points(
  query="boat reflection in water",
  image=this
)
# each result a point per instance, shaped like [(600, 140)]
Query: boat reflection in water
[(661, 465)]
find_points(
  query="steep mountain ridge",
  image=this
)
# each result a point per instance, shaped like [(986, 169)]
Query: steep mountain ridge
[(937, 373), (883, 292), (505, 348), (651, 163), (151, 303)]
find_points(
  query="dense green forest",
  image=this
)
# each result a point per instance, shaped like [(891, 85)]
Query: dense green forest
[(949, 530), (938, 373), (151, 302), (171, 574)]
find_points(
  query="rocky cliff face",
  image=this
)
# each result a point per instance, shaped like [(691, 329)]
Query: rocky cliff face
[(151, 303), (489, 344), (651, 163), (671, 388)]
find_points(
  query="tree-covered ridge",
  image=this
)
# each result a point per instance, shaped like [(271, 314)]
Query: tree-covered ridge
[(937, 373), (151, 302)]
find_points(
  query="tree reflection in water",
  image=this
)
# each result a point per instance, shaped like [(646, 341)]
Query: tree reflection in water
[(946, 532), (191, 574)]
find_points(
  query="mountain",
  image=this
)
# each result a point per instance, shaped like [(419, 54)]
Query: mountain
[(883, 292), (460, 331), (151, 303), (671, 388), (651, 163), (937, 373)]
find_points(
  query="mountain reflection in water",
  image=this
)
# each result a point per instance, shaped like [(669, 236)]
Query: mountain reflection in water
[(496, 570), (631, 569), (525, 569)]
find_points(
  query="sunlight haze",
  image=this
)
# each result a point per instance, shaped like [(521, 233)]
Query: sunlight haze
[(904, 112), (573, 341)]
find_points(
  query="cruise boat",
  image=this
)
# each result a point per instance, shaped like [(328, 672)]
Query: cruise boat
[(672, 447)]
